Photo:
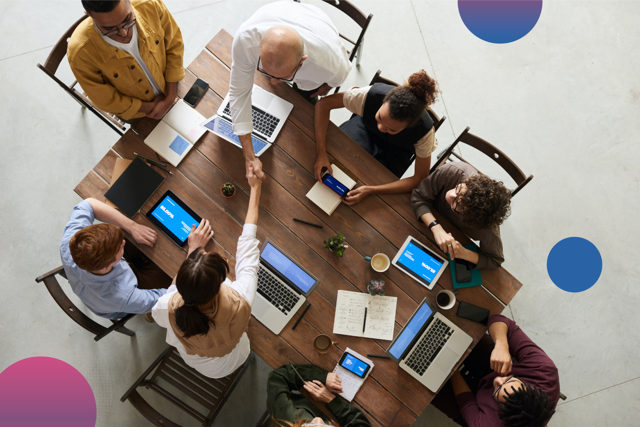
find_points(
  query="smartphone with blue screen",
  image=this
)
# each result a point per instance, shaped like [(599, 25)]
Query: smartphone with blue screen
[(355, 365), (334, 184)]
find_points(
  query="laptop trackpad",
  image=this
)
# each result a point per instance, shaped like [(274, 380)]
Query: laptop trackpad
[(446, 359), (261, 99)]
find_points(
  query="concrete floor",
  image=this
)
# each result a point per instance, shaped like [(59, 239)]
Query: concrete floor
[(563, 102)]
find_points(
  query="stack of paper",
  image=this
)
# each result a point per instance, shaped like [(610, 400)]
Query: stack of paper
[(364, 315), (327, 199), (351, 383)]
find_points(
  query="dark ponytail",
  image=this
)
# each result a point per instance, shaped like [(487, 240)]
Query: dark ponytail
[(407, 102), (198, 281)]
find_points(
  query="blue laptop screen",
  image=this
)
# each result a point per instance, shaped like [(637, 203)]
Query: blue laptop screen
[(410, 331), (176, 219), (420, 262), (287, 268), (223, 128)]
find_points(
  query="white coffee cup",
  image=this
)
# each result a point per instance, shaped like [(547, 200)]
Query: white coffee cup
[(380, 262), (450, 295)]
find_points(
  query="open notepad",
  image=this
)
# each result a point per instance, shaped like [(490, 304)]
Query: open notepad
[(364, 315), (327, 199), (351, 383), (178, 131)]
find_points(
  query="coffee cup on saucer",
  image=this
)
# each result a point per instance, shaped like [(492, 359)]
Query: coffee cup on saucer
[(445, 299)]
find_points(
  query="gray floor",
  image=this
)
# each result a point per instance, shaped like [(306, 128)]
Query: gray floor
[(563, 102)]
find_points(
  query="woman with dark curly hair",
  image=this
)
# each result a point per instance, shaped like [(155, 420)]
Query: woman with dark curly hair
[(473, 202), (391, 123)]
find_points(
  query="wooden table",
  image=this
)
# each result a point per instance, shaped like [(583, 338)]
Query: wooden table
[(390, 397)]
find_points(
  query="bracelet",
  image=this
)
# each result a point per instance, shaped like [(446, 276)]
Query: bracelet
[(433, 224)]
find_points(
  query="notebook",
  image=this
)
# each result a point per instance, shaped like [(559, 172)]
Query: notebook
[(476, 277), (134, 187), (176, 133), (351, 383), (364, 315), (327, 199), (120, 166)]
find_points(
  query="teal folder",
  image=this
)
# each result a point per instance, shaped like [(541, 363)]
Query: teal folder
[(476, 278)]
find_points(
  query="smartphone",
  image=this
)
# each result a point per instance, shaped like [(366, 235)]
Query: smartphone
[(473, 312), (334, 184), (196, 92), (463, 271), (355, 365)]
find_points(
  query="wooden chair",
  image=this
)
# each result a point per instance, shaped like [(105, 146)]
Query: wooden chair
[(76, 315), (207, 392), (492, 152), (51, 66), (437, 121), (359, 18)]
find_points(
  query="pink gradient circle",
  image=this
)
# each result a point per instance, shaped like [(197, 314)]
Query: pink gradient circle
[(43, 391)]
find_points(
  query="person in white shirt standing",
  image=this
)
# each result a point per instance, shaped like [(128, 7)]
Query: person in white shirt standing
[(206, 314), (289, 42)]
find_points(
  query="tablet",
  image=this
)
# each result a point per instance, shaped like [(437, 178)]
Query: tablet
[(419, 262), (174, 218)]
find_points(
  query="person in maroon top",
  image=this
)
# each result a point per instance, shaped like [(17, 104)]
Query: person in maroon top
[(515, 383)]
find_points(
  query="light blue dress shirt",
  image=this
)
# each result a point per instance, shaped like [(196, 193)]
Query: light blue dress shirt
[(113, 295)]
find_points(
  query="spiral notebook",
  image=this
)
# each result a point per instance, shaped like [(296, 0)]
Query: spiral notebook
[(364, 315)]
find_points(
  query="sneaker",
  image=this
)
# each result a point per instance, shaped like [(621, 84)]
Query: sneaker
[(149, 318)]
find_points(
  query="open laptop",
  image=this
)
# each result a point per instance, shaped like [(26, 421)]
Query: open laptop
[(429, 346), (283, 286)]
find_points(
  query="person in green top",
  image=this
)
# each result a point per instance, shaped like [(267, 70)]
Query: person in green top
[(288, 409)]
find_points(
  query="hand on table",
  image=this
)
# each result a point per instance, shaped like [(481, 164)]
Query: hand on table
[(334, 383), (501, 359), (161, 107), (318, 391), (143, 235), (356, 195), (255, 166), (199, 236), (322, 161), (322, 91)]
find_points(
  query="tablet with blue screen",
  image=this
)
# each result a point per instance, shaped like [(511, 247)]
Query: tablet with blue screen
[(174, 218), (419, 262)]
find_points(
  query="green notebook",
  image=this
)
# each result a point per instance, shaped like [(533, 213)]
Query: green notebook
[(476, 278)]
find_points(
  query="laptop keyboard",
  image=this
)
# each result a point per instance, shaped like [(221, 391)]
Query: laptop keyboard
[(263, 122), (274, 291), (431, 344)]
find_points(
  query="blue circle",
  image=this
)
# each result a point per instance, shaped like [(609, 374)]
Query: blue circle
[(500, 21), (574, 264)]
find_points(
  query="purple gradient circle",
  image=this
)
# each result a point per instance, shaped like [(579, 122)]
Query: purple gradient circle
[(500, 21), (43, 391)]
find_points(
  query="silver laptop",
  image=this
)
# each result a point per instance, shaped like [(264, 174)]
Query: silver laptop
[(270, 112), (429, 346), (283, 286)]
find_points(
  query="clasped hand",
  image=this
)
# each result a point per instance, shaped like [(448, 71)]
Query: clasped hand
[(323, 393), (501, 360)]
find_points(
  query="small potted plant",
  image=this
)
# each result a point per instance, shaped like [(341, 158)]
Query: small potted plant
[(228, 190), (336, 244), (376, 287)]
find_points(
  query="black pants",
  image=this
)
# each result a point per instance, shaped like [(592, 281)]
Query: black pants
[(149, 275), (306, 94)]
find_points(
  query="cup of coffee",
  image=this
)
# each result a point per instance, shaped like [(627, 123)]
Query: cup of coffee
[(379, 262), (322, 343), (445, 299)]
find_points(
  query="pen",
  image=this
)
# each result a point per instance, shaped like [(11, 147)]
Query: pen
[(379, 357), (160, 167), (157, 163), (365, 319), (301, 316), (308, 223)]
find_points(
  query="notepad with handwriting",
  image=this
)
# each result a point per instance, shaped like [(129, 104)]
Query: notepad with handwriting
[(327, 199), (364, 315), (176, 133), (351, 383)]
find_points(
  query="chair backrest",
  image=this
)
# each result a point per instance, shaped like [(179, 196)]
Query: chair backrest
[(74, 313), (437, 121), (207, 392), (59, 51), (490, 151)]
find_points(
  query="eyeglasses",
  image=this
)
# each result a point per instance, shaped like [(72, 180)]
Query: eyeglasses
[(454, 204), (124, 26), (316, 425), (497, 391), (259, 69)]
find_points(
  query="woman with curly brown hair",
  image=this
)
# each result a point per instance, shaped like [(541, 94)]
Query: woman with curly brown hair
[(390, 123), (473, 202)]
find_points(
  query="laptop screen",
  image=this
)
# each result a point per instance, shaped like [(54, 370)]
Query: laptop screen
[(410, 331), (287, 268), (421, 262), (225, 129)]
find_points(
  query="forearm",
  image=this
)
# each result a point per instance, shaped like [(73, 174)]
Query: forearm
[(459, 384), (107, 214), (322, 115), (247, 147), (498, 332), (400, 186), (254, 206), (171, 90), (469, 255)]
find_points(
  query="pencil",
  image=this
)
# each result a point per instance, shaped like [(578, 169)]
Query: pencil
[(301, 316), (157, 163), (308, 223), (160, 167), (379, 357)]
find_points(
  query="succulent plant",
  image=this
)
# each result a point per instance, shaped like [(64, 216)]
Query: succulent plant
[(228, 189), (376, 287), (336, 244)]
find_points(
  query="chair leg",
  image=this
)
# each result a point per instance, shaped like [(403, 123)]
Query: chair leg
[(359, 53), (118, 325)]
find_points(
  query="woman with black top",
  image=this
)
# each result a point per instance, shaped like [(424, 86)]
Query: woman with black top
[(391, 123)]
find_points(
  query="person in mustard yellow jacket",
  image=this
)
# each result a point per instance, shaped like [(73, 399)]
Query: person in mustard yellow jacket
[(127, 57)]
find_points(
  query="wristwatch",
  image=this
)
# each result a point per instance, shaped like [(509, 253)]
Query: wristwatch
[(433, 224)]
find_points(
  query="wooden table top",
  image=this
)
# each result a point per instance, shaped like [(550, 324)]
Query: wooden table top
[(381, 223)]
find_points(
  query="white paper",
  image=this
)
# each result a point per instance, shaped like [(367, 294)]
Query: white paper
[(351, 383), (327, 199), (160, 140), (350, 315), (186, 121)]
